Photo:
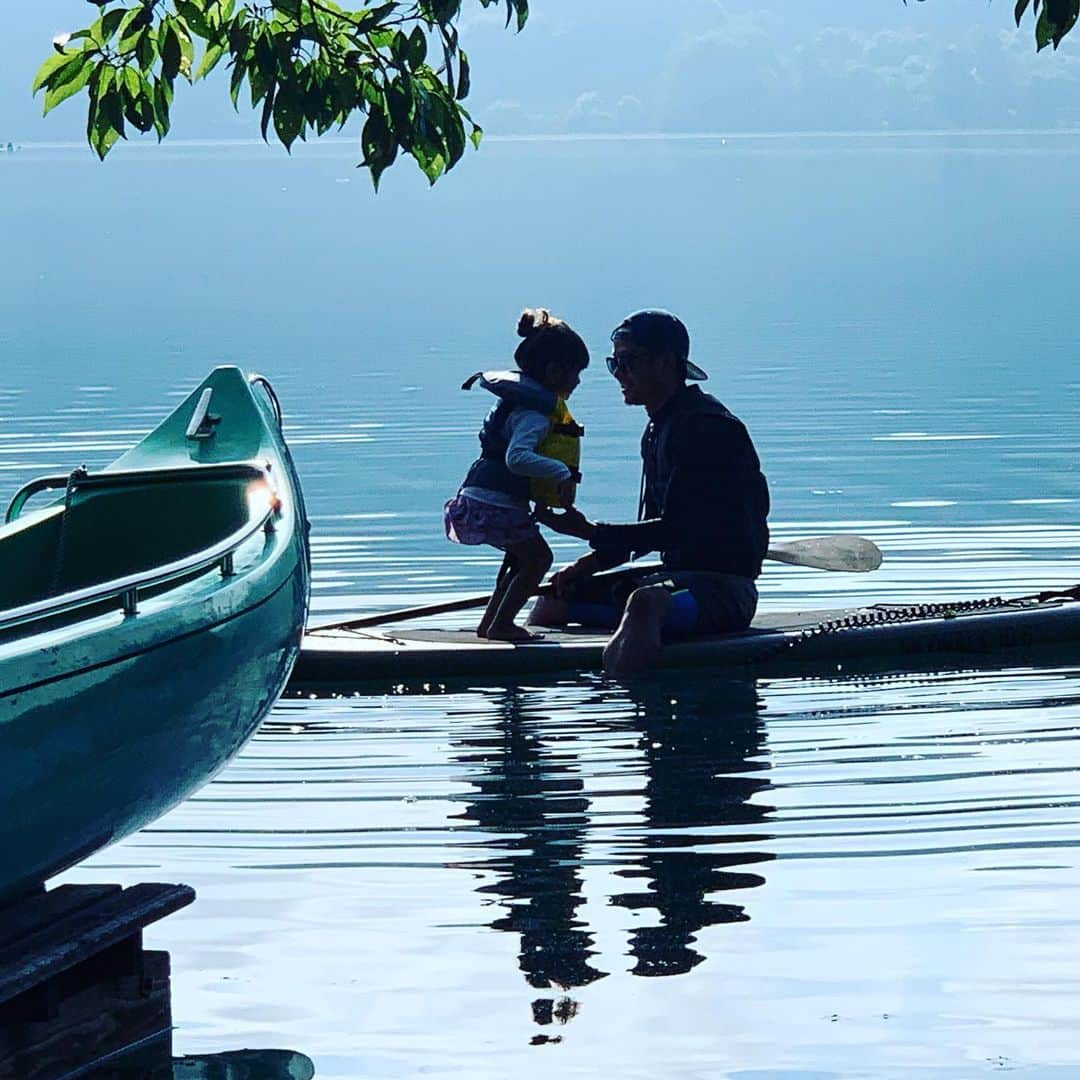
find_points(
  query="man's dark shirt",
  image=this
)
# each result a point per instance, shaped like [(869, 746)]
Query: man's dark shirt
[(704, 499)]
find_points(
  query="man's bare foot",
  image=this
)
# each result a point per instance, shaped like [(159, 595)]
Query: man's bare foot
[(635, 645), (513, 633)]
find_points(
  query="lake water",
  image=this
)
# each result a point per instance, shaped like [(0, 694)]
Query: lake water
[(683, 877)]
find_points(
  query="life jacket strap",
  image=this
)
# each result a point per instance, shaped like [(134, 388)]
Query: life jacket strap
[(574, 430)]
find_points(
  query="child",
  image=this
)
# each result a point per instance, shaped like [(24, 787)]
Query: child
[(492, 506)]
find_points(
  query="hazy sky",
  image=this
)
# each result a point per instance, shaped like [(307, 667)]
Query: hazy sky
[(690, 65)]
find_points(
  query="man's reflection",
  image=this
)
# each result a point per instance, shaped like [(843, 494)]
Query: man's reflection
[(699, 742), (687, 752)]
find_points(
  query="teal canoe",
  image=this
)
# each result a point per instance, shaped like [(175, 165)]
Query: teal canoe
[(150, 615), (883, 636)]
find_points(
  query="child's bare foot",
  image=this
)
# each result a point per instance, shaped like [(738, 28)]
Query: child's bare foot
[(512, 633)]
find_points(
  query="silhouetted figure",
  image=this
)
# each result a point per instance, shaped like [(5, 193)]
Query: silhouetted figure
[(697, 735), (687, 749), (532, 792)]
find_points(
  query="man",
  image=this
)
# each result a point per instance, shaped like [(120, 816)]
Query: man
[(704, 503)]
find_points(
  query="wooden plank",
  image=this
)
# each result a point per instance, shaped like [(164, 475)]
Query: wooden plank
[(27, 917), (95, 1022), (86, 933)]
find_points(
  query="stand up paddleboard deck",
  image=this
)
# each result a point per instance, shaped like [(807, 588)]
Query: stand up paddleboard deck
[(821, 642)]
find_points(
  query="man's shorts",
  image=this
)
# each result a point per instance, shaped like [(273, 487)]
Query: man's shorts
[(703, 602)]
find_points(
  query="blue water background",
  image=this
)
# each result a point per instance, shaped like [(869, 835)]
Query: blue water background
[(693, 877)]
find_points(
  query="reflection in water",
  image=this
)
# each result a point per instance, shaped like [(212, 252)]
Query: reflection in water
[(531, 785), (245, 1065), (690, 751), (155, 1062), (695, 743)]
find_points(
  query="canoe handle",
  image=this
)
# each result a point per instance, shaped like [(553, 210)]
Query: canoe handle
[(255, 379)]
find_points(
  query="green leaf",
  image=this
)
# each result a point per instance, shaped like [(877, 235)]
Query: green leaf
[(163, 97), (111, 108), (475, 137), (268, 108), (169, 49), (432, 166), (49, 69), (110, 23), (416, 53), (76, 76), (138, 108), (194, 17), (373, 17), (135, 22), (187, 49), (146, 49), (288, 117), (104, 81), (1044, 31), (236, 82), (378, 145), (210, 60), (399, 101), (464, 76), (102, 140)]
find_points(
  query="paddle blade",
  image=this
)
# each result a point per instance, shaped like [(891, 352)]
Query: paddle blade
[(854, 554)]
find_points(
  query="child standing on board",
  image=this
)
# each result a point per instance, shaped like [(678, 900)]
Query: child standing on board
[(492, 506)]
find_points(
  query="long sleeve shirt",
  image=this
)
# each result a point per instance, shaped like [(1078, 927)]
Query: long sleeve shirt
[(704, 499), (525, 430)]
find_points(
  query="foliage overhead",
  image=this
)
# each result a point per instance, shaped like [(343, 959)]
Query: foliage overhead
[(308, 65), (1053, 19), (1053, 22)]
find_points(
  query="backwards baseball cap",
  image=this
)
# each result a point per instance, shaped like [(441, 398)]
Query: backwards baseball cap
[(660, 331)]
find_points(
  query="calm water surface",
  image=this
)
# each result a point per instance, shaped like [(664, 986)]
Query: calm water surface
[(843, 877)]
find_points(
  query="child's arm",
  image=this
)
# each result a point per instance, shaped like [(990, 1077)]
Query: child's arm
[(526, 430)]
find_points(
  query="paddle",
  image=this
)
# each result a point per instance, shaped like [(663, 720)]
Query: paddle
[(853, 554)]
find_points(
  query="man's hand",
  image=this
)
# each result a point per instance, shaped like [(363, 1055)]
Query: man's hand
[(570, 522)]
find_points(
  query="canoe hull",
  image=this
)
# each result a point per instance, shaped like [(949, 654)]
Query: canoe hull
[(106, 750), (113, 712)]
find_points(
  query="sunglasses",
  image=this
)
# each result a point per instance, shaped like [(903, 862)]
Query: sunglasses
[(623, 362)]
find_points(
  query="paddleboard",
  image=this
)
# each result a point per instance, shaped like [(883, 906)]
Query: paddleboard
[(814, 641)]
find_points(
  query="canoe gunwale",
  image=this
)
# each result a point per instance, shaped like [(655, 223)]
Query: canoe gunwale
[(228, 470), (214, 622), (195, 563)]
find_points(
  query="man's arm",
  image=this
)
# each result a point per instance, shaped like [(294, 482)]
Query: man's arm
[(705, 451)]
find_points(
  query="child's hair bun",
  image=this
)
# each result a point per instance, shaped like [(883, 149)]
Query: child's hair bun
[(532, 320)]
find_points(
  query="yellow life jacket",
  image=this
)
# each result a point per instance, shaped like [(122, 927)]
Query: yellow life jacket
[(563, 443)]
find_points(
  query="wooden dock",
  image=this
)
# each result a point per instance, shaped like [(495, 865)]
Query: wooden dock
[(76, 984)]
